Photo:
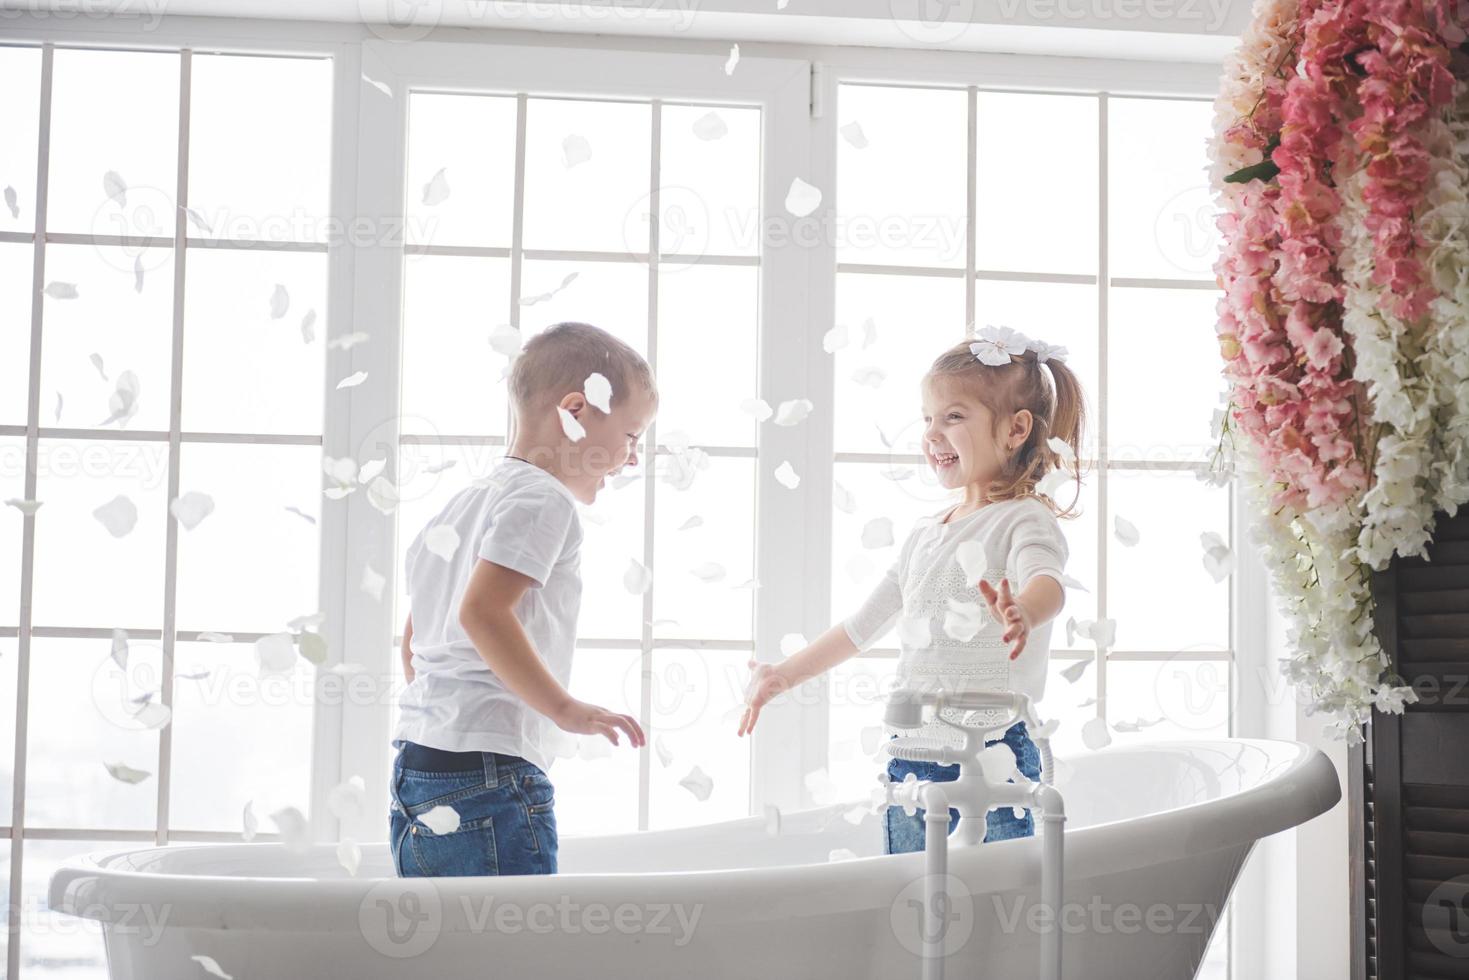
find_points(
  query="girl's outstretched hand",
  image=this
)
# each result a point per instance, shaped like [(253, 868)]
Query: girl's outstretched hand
[(767, 681), (1009, 612)]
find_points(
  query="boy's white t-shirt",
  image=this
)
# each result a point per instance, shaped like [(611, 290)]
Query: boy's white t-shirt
[(1020, 539), (525, 519)]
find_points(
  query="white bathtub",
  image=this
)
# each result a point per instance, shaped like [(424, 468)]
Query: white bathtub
[(1155, 838)]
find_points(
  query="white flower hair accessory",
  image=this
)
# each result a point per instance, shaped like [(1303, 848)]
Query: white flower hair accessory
[(1045, 352), (996, 345)]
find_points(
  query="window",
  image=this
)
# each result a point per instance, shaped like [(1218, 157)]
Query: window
[(175, 354)]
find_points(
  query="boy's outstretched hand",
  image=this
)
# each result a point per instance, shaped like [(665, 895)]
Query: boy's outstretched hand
[(581, 718), (767, 682), (1009, 612)]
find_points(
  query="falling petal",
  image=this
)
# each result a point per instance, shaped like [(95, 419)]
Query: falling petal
[(772, 820), (191, 508), (352, 380), (123, 404), (802, 198), (1102, 631), (785, 475), (347, 340), (312, 647), (1047, 729), (1072, 582), (280, 302), (380, 86), (120, 648), (119, 515), (852, 133), (291, 825), (709, 572), (758, 407), (842, 499), (275, 653), (1087, 703), (972, 559), (569, 425), (869, 332), (436, 191), (341, 469), (383, 495), (1218, 559), (58, 406), (575, 150), (637, 579), (346, 800), (818, 783), (96, 360), (543, 297), (126, 774), (698, 783), (505, 339), (153, 715), (749, 583), (841, 854), (11, 201), (793, 411), (665, 757), (732, 60), (26, 507), (791, 643), (1074, 672), (1063, 449), (599, 392), (1125, 530), (115, 188), (440, 467), (442, 540), (308, 327), (1053, 481), (963, 620), (138, 273), (249, 825), (710, 126), (208, 636), (349, 856), (210, 966), (372, 583), (301, 514), (371, 469), (197, 220), (692, 522), (1095, 735), (878, 533), (871, 376), (835, 339), (61, 290), (196, 675)]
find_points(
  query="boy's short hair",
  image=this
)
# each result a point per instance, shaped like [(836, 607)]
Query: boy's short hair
[(558, 360)]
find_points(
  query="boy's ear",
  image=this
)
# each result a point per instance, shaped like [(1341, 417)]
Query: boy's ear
[(574, 402)]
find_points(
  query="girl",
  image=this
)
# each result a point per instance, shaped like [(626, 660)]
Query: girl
[(1001, 412)]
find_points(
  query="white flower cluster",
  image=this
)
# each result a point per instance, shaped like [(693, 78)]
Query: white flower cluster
[(996, 345)]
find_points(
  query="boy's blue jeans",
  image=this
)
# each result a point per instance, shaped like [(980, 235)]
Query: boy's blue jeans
[(507, 820), (905, 833)]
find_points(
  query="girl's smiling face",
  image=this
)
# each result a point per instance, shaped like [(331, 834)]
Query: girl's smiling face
[(960, 441)]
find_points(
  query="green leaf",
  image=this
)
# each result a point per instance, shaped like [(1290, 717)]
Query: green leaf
[(1266, 169)]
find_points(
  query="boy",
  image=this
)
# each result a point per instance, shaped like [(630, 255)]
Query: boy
[(488, 642)]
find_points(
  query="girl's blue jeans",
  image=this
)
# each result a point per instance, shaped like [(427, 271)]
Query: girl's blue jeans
[(506, 807), (905, 833)]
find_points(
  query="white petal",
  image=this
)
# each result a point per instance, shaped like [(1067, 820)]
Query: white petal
[(1071, 582), (1095, 735), (1053, 481), (280, 302), (352, 380), (972, 559), (12, 202), (210, 966), (841, 854), (312, 647), (436, 191), (62, 290), (871, 376), (308, 518), (793, 411), (341, 469), (115, 187), (710, 126), (698, 783), (852, 133), (347, 341), (337, 493), (599, 392), (442, 540), (835, 339), (125, 773), (637, 579), (1125, 530), (665, 756), (138, 273), (275, 653), (757, 407), (153, 715), (692, 522), (120, 648), (802, 198), (371, 469), (1062, 448), (441, 820), (96, 360), (842, 499), (292, 827), (382, 494), (869, 332), (349, 856), (1073, 673), (191, 508), (197, 220), (570, 425), (732, 60), (963, 620), (249, 825), (208, 636), (58, 406), (346, 799), (819, 784), (791, 643), (26, 507), (119, 515), (308, 327), (710, 571), (372, 583), (575, 150), (997, 762), (772, 820), (785, 475), (878, 533)]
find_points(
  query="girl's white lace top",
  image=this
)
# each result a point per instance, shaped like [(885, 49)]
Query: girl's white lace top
[(925, 593)]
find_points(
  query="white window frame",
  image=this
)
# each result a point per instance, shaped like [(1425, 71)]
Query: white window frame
[(797, 291)]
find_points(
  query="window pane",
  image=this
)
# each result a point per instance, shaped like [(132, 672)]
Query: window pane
[(710, 193), (452, 378), (708, 319), (20, 113), (613, 529), (856, 569), (83, 575), (428, 476), (914, 319), (697, 697), (1160, 212), (600, 795), (859, 691), (1056, 313), (251, 565), (610, 295), (237, 737), (719, 609), (128, 329), (16, 262), (587, 174), (243, 370), (1187, 698), (77, 724), (1067, 701), (53, 944), (1081, 563), (903, 196), (12, 527), (260, 146), (1158, 590), (114, 112), (471, 138), (1163, 352), (1058, 166)]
